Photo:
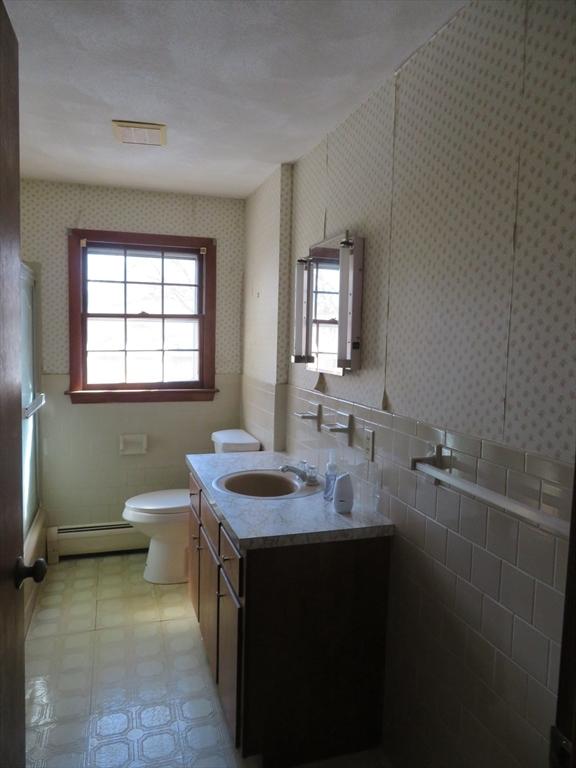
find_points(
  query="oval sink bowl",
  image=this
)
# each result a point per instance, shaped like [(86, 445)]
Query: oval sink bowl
[(264, 484)]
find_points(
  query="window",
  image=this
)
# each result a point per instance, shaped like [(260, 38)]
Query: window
[(142, 317), (325, 294)]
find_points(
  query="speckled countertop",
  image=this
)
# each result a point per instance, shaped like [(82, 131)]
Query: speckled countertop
[(256, 523)]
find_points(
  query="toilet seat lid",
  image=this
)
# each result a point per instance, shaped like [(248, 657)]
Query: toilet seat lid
[(170, 501)]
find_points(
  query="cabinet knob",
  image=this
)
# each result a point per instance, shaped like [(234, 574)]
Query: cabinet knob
[(221, 594), (225, 559)]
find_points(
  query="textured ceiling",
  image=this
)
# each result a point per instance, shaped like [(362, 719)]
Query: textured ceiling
[(242, 84)]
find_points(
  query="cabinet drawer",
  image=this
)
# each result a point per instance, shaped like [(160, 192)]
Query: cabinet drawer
[(210, 523), (231, 561)]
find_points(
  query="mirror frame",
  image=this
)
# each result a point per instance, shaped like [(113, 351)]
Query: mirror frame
[(350, 251)]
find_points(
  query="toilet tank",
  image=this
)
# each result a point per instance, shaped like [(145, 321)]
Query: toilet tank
[(234, 441)]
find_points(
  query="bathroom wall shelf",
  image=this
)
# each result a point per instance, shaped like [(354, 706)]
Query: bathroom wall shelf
[(521, 511)]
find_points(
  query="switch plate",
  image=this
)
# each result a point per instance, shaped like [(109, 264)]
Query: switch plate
[(369, 444)]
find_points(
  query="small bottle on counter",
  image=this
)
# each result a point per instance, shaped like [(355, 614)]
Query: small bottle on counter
[(330, 477)]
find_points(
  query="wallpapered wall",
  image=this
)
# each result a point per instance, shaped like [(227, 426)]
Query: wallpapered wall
[(261, 280), (50, 208), (267, 307), (457, 174), (84, 479)]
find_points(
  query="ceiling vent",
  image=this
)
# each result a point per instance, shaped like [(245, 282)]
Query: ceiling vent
[(129, 132)]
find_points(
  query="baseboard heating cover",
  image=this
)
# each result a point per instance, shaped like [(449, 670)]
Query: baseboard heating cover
[(93, 538)]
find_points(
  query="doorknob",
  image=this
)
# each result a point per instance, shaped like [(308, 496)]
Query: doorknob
[(37, 571)]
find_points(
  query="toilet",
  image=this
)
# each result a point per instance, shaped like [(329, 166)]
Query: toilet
[(163, 517)]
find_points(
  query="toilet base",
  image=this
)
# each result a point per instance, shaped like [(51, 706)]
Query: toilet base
[(167, 563)]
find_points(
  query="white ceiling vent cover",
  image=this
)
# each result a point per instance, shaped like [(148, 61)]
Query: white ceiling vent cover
[(129, 132)]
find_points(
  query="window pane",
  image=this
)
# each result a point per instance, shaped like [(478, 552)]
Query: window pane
[(328, 279), (105, 266), (326, 306), (143, 298), (106, 298), (143, 366), (105, 334), (181, 334), (144, 334), (180, 270), (181, 366), (180, 300), (144, 269), (328, 338), (327, 362), (105, 367)]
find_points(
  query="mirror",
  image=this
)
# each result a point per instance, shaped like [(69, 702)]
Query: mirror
[(328, 306)]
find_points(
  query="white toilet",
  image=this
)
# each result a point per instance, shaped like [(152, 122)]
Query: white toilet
[(163, 517)]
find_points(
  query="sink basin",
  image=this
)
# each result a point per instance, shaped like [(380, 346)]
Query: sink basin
[(264, 484)]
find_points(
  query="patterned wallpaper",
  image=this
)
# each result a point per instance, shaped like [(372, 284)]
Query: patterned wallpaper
[(261, 280), (50, 208), (455, 167), (542, 367), (457, 173)]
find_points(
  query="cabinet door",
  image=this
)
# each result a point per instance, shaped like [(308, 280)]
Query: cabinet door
[(209, 601), (229, 654), (194, 562)]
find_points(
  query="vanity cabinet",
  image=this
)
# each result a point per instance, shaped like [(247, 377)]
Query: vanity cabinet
[(295, 639)]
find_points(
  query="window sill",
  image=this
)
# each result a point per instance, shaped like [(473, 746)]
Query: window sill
[(87, 396)]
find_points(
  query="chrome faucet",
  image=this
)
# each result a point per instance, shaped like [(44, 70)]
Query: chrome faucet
[(301, 473)]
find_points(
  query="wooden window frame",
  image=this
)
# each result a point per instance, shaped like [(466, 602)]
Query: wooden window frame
[(79, 391)]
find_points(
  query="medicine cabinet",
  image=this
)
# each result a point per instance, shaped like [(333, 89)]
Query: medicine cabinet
[(328, 306)]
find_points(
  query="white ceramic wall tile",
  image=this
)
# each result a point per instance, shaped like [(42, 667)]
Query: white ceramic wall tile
[(497, 624), (502, 536), (473, 516), (549, 611), (486, 570), (448, 508), (436, 540), (554, 667), (540, 707), (517, 591), (459, 555), (536, 553), (530, 649), (510, 682), (426, 496), (468, 603)]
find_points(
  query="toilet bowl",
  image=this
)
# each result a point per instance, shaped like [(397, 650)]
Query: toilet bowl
[(163, 517)]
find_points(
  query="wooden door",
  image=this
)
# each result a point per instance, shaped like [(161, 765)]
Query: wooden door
[(194, 562), (11, 545), (229, 612), (209, 601)]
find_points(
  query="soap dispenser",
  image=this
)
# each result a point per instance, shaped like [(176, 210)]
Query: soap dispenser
[(343, 494), (330, 477)]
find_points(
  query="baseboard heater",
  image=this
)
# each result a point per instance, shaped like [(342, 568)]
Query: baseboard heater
[(93, 538)]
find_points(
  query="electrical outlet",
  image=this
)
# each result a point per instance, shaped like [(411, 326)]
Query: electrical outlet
[(369, 444)]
